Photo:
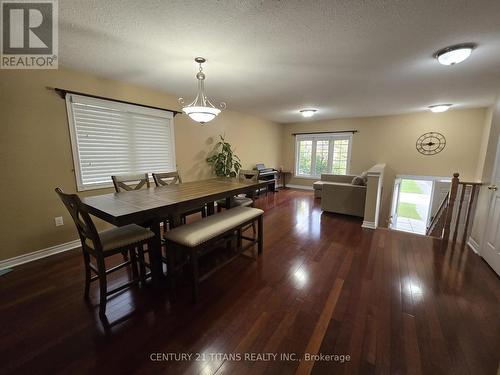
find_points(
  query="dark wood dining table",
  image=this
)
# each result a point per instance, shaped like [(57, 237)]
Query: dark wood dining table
[(150, 207)]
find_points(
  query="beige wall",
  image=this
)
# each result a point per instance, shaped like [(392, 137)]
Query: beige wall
[(391, 140), (35, 151)]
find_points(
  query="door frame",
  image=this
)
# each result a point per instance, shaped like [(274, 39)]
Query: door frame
[(395, 202), (414, 177)]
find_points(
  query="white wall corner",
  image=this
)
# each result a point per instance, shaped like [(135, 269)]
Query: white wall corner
[(472, 243), (376, 170), (30, 257), (369, 224)]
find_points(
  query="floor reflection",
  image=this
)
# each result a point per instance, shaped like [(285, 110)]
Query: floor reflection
[(301, 277)]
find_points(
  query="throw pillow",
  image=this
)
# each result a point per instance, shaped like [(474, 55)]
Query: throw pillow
[(358, 180), (364, 176)]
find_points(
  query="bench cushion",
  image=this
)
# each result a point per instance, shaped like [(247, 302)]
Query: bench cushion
[(119, 237), (194, 234)]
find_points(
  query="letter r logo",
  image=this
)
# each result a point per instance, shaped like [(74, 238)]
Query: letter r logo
[(27, 28)]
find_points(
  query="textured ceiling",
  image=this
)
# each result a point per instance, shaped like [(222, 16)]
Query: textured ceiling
[(271, 58)]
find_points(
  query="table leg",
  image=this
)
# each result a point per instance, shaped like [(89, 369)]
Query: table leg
[(210, 208), (175, 220), (228, 203), (157, 274)]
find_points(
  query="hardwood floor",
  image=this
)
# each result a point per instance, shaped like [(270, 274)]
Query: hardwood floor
[(393, 302)]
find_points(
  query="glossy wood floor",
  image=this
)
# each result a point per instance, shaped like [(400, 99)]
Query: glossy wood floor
[(393, 302)]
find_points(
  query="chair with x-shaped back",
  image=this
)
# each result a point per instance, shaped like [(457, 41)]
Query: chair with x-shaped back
[(171, 178), (128, 182), (129, 239)]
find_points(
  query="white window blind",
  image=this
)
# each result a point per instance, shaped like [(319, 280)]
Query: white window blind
[(111, 138), (322, 153)]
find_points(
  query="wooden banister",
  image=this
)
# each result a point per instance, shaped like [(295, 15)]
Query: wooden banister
[(469, 211), (462, 196), (451, 205), (436, 226), (448, 205), (470, 183)]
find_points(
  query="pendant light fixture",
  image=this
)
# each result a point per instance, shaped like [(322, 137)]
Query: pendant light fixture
[(201, 109)]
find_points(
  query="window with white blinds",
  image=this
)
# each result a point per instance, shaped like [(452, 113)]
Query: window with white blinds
[(111, 138)]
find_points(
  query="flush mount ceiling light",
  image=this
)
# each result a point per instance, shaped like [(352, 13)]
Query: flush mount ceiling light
[(308, 112), (454, 54), (439, 107), (201, 109)]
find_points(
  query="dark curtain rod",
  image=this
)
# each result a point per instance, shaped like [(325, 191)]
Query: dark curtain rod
[(62, 93), (340, 131)]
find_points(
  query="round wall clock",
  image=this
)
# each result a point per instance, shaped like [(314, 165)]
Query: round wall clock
[(431, 143)]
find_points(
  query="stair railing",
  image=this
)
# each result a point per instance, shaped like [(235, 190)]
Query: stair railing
[(448, 210)]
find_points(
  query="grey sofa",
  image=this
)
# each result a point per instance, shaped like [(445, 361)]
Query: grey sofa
[(330, 179), (340, 196)]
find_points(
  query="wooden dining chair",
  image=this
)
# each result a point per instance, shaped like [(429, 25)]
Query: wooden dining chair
[(128, 182), (241, 201), (101, 245), (171, 178), (167, 178)]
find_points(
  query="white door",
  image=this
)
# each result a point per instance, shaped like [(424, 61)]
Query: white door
[(491, 250), (395, 203)]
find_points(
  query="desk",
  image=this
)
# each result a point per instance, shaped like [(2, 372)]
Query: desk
[(283, 175)]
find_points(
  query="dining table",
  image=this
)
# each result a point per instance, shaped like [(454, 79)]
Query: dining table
[(152, 206)]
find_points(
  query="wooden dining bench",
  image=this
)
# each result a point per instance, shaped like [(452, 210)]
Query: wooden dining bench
[(198, 238)]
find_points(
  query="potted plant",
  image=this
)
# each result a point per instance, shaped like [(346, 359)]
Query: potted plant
[(225, 163)]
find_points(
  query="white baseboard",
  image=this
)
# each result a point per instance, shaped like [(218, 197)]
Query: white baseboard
[(30, 257), (368, 224), (301, 187), (471, 242)]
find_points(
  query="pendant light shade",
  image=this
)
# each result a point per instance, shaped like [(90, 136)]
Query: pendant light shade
[(201, 109)]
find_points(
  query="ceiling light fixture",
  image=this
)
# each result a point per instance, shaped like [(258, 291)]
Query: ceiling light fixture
[(454, 54), (201, 109), (439, 108), (308, 112)]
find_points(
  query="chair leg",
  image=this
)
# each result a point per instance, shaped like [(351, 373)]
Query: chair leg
[(239, 240), (195, 274), (142, 262), (86, 260), (261, 234), (133, 263), (103, 287), (254, 229), (203, 212), (170, 252), (125, 255)]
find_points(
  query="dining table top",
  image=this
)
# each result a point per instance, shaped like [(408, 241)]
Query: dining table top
[(146, 204)]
